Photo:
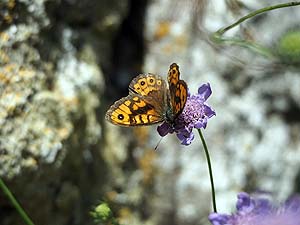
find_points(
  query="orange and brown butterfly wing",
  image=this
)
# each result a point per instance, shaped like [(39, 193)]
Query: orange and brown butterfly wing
[(143, 84), (173, 74), (145, 105), (178, 90)]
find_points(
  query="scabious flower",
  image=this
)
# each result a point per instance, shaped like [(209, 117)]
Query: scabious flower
[(259, 210), (194, 115)]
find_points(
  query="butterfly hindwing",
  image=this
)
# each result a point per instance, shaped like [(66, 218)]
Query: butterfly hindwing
[(143, 84), (145, 104), (178, 97)]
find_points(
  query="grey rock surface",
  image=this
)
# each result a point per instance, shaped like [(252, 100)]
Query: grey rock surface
[(50, 134)]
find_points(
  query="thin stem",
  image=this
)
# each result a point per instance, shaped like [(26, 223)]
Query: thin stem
[(217, 37), (247, 44), (256, 12), (15, 203), (213, 193)]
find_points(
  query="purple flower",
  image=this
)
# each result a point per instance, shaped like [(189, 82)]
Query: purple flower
[(259, 210), (194, 115)]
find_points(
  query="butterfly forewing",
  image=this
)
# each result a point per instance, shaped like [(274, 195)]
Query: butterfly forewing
[(173, 74), (178, 91)]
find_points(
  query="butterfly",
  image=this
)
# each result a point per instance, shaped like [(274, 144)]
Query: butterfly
[(150, 100)]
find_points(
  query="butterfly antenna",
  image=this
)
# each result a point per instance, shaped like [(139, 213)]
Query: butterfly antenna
[(158, 144)]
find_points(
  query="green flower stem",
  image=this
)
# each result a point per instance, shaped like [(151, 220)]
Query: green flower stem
[(255, 47), (213, 193), (15, 203), (217, 36), (256, 12)]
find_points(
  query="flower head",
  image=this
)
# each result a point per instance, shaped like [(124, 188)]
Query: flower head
[(260, 211), (194, 115)]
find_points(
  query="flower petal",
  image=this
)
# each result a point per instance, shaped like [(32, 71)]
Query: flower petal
[(293, 204), (244, 202), (164, 129), (186, 138), (201, 124), (205, 91), (259, 210), (208, 111), (218, 219)]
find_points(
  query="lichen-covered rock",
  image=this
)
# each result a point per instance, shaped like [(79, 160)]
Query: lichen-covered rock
[(50, 88)]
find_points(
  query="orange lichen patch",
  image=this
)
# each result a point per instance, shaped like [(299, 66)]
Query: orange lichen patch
[(7, 15), (11, 4), (4, 57), (63, 132), (177, 44), (4, 79), (26, 73), (4, 37), (181, 41), (168, 49), (162, 30), (12, 100), (47, 131), (8, 74), (15, 86), (111, 195), (8, 18), (30, 162), (147, 166), (125, 215), (71, 101), (9, 67), (11, 73), (3, 114)]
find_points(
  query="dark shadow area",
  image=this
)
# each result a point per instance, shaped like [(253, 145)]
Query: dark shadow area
[(128, 49)]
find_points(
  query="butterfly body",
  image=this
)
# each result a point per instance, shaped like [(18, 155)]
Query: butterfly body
[(150, 100)]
